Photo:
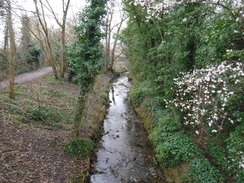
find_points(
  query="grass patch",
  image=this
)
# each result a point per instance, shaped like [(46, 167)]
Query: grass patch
[(42, 103), (201, 171), (51, 80), (21, 87), (43, 114), (80, 147), (52, 91)]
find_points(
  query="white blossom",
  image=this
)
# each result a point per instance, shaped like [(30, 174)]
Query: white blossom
[(199, 93)]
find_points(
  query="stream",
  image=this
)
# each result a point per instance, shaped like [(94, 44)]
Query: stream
[(125, 154)]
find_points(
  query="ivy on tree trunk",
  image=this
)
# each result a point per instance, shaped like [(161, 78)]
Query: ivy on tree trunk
[(86, 53)]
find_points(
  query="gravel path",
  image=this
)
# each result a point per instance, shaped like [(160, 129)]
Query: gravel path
[(27, 77)]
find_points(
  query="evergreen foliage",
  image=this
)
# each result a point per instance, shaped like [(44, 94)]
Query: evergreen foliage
[(29, 52), (166, 40), (86, 53)]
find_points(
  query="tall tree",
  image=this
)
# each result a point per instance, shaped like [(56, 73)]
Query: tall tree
[(28, 51), (2, 8), (113, 28), (6, 36), (25, 33), (40, 13), (108, 31), (5, 39), (86, 54), (62, 25), (12, 51)]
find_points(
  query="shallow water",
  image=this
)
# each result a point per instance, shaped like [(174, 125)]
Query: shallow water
[(125, 154)]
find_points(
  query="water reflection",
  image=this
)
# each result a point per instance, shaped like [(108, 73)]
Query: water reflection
[(125, 154)]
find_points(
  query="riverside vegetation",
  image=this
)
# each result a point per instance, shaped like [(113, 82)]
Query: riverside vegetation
[(186, 59)]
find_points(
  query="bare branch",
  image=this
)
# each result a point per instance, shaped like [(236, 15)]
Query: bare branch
[(49, 8)]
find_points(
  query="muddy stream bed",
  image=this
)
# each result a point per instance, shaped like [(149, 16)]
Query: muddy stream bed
[(125, 154)]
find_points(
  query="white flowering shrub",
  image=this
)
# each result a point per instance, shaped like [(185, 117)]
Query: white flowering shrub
[(203, 96), (153, 8)]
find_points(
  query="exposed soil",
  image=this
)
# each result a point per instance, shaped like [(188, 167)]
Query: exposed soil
[(27, 77), (34, 155)]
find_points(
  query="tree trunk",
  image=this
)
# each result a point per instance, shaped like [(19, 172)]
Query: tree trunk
[(49, 49), (12, 51), (6, 37), (108, 39), (114, 47), (62, 62), (62, 25)]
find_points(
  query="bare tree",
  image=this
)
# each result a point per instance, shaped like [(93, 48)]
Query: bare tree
[(70, 31), (109, 19), (40, 13), (62, 25), (12, 51), (112, 59), (112, 30)]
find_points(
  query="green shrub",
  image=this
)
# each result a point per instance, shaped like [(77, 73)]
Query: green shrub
[(176, 148), (46, 115), (219, 153), (235, 148), (80, 147), (40, 114), (139, 92), (173, 145), (137, 96), (189, 36), (201, 171)]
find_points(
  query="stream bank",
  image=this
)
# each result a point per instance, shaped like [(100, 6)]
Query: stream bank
[(125, 153)]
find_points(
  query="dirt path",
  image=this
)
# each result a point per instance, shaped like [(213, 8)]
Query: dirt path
[(27, 77)]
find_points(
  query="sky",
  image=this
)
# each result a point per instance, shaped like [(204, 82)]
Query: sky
[(19, 5), (75, 6)]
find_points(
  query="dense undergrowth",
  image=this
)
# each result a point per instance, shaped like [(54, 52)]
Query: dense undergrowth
[(181, 39)]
